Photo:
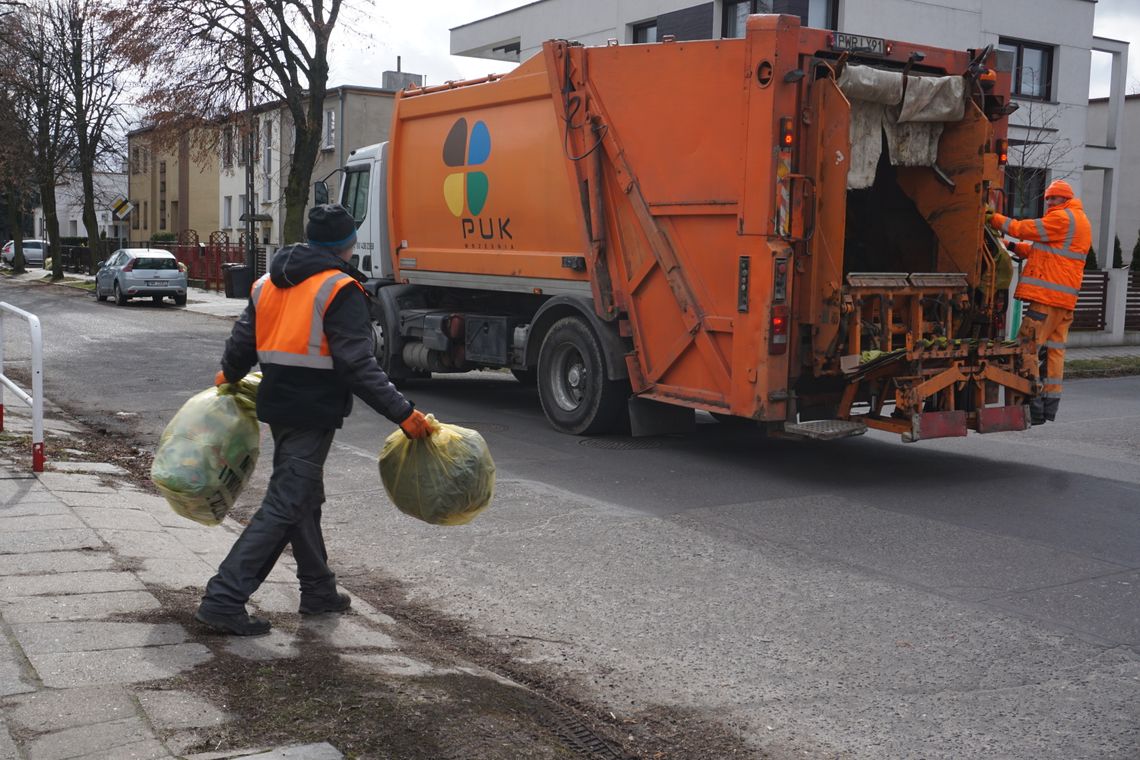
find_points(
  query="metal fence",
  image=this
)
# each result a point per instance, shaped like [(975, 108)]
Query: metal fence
[(1092, 303), (1132, 302)]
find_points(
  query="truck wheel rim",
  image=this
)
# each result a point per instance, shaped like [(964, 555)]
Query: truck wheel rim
[(569, 378)]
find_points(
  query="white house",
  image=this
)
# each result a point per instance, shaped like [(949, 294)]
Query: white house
[(1049, 44), (1128, 196), (69, 206)]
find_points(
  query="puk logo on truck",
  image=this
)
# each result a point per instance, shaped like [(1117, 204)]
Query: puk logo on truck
[(465, 191)]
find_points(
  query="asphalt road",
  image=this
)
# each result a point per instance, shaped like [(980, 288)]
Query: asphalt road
[(862, 598)]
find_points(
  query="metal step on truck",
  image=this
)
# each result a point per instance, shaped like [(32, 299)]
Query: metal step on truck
[(787, 228)]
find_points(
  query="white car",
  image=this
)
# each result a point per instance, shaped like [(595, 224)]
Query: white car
[(140, 272), (33, 252)]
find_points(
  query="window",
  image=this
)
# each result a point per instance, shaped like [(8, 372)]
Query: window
[(1025, 192), (267, 162), (241, 206), (174, 214), (145, 159), (329, 130), (356, 194), (1032, 68), (135, 215), (162, 215), (736, 13), (74, 227), (135, 161), (228, 148), (227, 212), (162, 264), (646, 32), (145, 214)]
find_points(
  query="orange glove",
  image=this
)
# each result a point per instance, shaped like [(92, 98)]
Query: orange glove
[(220, 378), (416, 425)]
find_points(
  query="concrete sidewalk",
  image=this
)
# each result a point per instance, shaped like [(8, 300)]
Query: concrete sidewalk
[(88, 562)]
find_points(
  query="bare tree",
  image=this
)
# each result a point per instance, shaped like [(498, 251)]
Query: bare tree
[(38, 97), (205, 60), (92, 68)]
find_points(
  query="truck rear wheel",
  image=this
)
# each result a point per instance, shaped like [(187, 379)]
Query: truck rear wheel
[(576, 396)]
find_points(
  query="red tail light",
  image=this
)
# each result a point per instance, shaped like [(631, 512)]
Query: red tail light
[(1003, 152), (778, 330), (130, 265), (787, 134)]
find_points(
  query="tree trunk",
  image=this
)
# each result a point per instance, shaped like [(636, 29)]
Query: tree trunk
[(86, 150), (15, 221), (306, 143), (51, 225)]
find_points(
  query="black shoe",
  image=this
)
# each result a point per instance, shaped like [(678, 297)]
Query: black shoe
[(319, 605), (236, 624)]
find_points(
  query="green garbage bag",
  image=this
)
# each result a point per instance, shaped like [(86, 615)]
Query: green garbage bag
[(444, 479), (208, 451)]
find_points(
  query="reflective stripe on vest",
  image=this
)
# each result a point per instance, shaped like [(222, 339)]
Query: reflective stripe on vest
[(1050, 286), (290, 322), (1063, 252)]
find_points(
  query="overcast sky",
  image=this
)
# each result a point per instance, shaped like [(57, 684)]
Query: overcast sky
[(418, 32)]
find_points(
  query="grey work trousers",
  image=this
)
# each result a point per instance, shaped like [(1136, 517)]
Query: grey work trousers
[(290, 513)]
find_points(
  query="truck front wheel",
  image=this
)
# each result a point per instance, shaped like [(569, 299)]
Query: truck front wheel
[(575, 394)]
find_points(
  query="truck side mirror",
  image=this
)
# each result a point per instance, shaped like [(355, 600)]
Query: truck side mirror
[(320, 192)]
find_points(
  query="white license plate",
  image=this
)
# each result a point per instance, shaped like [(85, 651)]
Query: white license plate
[(155, 283), (858, 43)]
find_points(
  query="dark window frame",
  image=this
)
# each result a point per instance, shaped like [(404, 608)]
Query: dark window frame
[(1033, 183), (728, 13), (640, 32), (1018, 48)]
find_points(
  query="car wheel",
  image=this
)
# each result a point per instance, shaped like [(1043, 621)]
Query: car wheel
[(98, 294), (156, 299), (120, 297), (575, 393), (180, 300)]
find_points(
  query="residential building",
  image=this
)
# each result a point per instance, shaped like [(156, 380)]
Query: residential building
[(173, 185), (1127, 225), (1046, 43), (69, 206)]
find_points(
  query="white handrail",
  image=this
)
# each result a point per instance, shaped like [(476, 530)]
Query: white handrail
[(36, 399)]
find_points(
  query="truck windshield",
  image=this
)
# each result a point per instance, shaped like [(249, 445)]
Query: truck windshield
[(355, 195)]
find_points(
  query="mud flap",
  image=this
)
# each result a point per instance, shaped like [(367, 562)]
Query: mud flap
[(998, 419), (929, 425)]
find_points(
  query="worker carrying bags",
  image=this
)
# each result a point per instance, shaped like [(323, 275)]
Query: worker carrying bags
[(208, 451), (444, 479)]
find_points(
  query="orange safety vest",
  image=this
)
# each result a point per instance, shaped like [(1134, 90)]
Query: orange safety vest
[(1056, 246), (291, 321)]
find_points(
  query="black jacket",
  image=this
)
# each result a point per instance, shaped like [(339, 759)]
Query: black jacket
[(317, 398)]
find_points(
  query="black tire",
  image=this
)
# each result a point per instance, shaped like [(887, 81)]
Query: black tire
[(156, 299), (120, 297), (576, 396), (527, 377), (99, 296), (180, 300), (387, 355)]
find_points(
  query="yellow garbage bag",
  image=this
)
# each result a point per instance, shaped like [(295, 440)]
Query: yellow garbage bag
[(208, 451), (444, 479)]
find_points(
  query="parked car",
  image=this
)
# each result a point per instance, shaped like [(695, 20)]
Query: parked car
[(33, 252), (140, 272)]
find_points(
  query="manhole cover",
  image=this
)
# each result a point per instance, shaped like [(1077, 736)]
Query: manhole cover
[(620, 444), (481, 427)]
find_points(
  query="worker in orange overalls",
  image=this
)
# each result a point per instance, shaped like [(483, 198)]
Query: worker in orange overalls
[(1054, 247), (307, 324)]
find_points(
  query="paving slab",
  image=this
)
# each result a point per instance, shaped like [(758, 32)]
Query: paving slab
[(86, 582), (140, 543), (176, 573), (17, 489), (343, 632), (56, 709), (12, 679), (8, 749), (29, 541), (75, 482), (322, 751), (92, 636), (61, 562), (392, 664), (33, 609), (21, 505), (174, 709), (281, 596), (203, 540), (67, 670), (117, 518), (150, 749), (21, 523), (105, 740), (94, 468), (100, 499), (278, 645)]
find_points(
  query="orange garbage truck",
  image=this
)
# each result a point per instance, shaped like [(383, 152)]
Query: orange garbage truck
[(786, 228)]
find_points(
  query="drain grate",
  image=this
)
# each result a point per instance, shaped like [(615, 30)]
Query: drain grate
[(620, 444)]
